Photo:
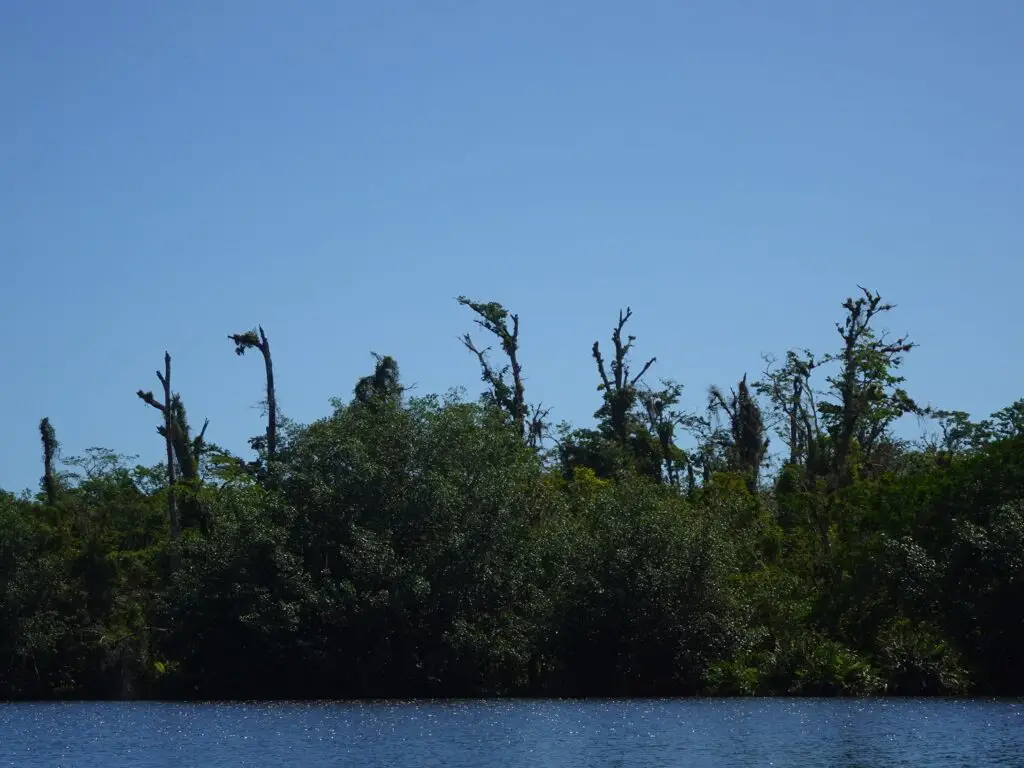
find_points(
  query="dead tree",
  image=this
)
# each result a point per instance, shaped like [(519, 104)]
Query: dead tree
[(510, 398), (183, 452), (253, 340), (165, 380), (620, 389)]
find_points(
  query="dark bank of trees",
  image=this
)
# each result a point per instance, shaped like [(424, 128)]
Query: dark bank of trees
[(427, 545)]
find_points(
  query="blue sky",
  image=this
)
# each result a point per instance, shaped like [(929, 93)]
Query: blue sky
[(340, 171)]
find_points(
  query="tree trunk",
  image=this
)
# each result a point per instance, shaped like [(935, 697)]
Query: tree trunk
[(271, 397), (172, 506)]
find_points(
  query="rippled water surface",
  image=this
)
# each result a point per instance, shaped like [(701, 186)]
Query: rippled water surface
[(759, 732)]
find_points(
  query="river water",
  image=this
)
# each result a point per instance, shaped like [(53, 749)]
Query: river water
[(783, 733)]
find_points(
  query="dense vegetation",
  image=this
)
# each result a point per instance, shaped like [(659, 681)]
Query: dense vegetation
[(405, 546)]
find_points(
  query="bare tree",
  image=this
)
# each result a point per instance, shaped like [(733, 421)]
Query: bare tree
[(167, 431), (183, 452), (620, 388), (257, 339), (510, 397)]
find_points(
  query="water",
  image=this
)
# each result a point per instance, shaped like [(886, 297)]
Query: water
[(503, 734)]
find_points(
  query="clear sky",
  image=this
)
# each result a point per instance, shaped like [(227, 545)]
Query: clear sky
[(171, 172)]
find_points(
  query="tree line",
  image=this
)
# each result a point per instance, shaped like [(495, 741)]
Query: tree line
[(442, 546)]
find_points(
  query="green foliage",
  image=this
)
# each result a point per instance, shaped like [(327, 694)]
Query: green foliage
[(915, 659), (640, 589), (426, 546)]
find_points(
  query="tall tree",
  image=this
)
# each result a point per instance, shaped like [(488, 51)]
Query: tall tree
[(619, 389), (867, 396), (50, 448), (508, 396), (663, 418), (167, 431), (636, 423), (794, 408), (188, 452), (257, 339), (183, 451), (748, 443)]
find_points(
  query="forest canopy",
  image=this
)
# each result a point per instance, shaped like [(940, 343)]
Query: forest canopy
[(433, 545)]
